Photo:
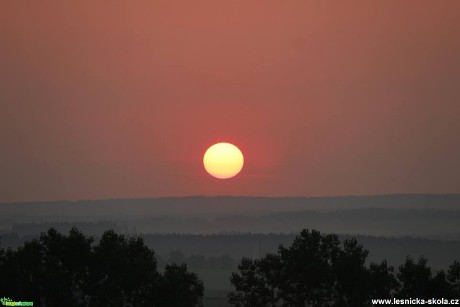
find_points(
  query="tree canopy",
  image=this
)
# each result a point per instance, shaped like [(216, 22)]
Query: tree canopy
[(319, 270), (60, 270)]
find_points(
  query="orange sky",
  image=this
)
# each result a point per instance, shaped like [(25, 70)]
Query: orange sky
[(118, 99)]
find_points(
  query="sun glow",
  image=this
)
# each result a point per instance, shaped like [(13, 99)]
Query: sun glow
[(223, 160)]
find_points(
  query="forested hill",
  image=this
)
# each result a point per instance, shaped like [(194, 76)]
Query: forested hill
[(222, 205), (429, 216)]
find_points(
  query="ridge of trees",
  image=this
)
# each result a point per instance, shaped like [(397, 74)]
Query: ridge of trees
[(315, 270), (60, 270), (319, 270)]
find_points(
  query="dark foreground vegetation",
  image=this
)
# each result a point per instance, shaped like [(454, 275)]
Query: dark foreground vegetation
[(316, 270), (59, 270)]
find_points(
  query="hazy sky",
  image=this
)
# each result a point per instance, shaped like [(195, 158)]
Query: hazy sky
[(120, 99)]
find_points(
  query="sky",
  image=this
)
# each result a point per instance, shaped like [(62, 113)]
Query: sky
[(120, 99)]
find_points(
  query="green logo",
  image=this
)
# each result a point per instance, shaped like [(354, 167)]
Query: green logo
[(9, 302)]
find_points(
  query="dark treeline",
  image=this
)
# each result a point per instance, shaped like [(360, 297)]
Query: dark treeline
[(320, 270), (315, 270), (60, 270), (427, 223), (238, 245)]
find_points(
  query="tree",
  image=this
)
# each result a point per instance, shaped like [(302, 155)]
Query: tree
[(382, 280), (64, 267), (352, 278), (417, 281), (21, 272), (60, 270), (122, 272), (453, 276), (316, 270), (319, 270), (179, 288), (255, 285)]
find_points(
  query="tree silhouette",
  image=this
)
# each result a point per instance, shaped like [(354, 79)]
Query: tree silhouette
[(319, 270), (382, 281), (59, 270), (314, 271), (417, 281), (122, 272), (454, 278), (21, 271), (64, 267), (255, 285), (179, 288)]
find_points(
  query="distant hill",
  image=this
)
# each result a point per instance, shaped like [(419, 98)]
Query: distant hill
[(223, 205), (429, 216)]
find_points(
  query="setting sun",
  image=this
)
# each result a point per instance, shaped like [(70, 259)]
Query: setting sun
[(223, 160)]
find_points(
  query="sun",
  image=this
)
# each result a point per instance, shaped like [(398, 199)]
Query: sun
[(223, 160)]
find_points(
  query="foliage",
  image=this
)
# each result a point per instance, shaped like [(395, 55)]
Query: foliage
[(59, 270), (179, 288), (453, 277), (417, 281), (319, 270)]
